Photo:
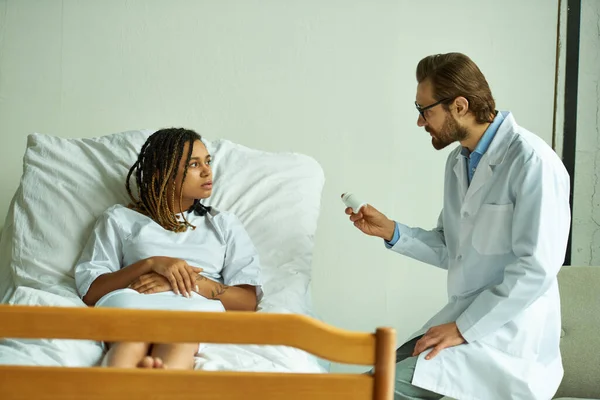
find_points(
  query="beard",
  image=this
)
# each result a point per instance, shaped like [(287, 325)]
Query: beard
[(451, 132)]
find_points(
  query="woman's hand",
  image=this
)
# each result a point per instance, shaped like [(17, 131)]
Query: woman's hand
[(151, 283), (180, 275)]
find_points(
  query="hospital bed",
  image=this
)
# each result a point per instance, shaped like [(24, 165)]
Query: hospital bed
[(278, 352)]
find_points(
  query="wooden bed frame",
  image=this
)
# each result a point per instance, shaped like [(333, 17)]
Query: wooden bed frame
[(103, 324)]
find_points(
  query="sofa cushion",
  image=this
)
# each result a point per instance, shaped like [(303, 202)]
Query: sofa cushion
[(580, 342)]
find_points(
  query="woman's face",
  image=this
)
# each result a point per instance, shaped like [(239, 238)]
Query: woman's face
[(198, 180)]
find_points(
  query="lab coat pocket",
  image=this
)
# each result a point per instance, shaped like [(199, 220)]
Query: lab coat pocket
[(492, 234)]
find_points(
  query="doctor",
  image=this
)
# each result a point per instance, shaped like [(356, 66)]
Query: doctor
[(501, 236)]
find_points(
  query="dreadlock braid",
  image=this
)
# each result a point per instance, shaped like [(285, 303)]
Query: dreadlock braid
[(155, 171)]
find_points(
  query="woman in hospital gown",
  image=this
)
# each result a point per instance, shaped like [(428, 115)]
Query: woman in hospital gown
[(168, 251)]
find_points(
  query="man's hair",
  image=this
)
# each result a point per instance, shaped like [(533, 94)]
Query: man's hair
[(453, 75), (155, 169)]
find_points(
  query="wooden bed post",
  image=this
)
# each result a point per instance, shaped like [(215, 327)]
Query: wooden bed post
[(385, 364)]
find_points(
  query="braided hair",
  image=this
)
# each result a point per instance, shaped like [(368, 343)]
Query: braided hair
[(155, 169)]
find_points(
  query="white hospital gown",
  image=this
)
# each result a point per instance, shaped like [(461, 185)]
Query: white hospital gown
[(121, 237)]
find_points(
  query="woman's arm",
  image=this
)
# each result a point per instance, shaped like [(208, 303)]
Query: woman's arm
[(241, 289), (178, 273), (234, 298), (120, 279)]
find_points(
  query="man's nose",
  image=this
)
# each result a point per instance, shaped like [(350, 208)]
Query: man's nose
[(421, 121)]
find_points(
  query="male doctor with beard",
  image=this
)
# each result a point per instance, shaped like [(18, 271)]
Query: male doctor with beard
[(501, 235)]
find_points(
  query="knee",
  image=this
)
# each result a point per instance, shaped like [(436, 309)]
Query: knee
[(177, 346), (140, 347), (403, 387), (137, 345), (405, 370), (164, 349)]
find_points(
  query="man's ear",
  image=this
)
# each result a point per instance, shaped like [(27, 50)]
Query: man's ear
[(461, 106)]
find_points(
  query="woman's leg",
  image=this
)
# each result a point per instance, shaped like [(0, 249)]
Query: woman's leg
[(175, 355), (128, 355)]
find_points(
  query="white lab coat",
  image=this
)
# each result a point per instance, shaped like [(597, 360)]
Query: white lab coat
[(502, 240)]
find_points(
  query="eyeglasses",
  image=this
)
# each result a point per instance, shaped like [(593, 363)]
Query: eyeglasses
[(422, 110)]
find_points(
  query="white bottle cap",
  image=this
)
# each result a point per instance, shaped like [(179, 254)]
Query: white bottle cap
[(350, 200)]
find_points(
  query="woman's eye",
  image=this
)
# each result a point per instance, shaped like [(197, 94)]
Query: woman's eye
[(194, 164), (209, 162)]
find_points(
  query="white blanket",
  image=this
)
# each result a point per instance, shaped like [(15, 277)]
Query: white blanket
[(82, 353)]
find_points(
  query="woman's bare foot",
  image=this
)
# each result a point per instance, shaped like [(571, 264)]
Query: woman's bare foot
[(127, 355), (175, 355), (146, 362), (158, 363), (151, 362)]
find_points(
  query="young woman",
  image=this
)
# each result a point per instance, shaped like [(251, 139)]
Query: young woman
[(168, 251)]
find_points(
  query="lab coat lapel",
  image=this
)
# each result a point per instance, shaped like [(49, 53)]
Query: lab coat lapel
[(460, 170), (493, 157), (479, 187)]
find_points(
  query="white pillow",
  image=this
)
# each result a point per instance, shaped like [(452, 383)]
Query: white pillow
[(48, 352), (6, 241), (68, 183)]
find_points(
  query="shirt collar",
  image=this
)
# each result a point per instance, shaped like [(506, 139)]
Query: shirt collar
[(486, 139)]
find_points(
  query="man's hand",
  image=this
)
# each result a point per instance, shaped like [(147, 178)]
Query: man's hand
[(372, 222), (151, 283), (439, 337)]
